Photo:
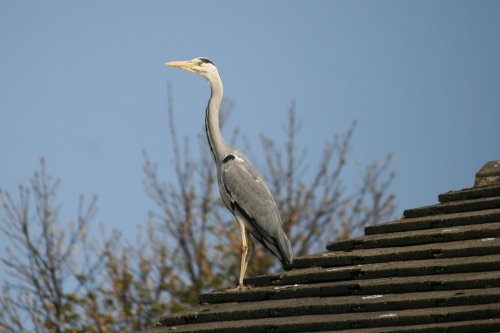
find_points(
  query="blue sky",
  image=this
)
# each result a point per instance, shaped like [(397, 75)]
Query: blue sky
[(83, 84)]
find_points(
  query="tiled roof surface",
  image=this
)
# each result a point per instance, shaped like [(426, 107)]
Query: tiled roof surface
[(437, 269)]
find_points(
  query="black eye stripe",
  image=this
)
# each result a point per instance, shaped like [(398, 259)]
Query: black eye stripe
[(206, 61)]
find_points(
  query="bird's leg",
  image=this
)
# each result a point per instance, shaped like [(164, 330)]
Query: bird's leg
[(246, 251)]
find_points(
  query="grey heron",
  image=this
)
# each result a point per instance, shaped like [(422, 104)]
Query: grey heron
[(241, 186)]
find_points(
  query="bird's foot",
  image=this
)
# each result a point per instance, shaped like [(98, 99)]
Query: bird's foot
[(239, 287), (243, 287)]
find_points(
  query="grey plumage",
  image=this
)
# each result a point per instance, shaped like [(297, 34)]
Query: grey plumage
[(245, 191), (242, 187)]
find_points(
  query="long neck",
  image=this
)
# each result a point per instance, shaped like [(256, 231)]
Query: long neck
[(214, 136)]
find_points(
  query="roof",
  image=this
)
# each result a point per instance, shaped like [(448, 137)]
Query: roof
[(437, 269)]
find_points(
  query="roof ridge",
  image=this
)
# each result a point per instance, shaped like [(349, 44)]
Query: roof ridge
[(436, 221), (446, 249), (470, 193), (420, 236), (465, 205), (463, 280), (334, 305), (357, 320)]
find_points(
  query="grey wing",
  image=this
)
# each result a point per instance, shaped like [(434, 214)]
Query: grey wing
[(250, 197)]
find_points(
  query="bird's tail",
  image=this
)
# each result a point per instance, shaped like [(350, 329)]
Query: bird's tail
[(285, 249)]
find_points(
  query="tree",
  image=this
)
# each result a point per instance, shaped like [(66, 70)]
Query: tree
[(58, 280), (40, 259), (61, 280), (203, 240)]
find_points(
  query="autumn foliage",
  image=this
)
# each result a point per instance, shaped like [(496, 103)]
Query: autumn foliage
[(60, 277)]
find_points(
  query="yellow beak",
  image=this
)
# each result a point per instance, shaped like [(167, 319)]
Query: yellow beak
[(181, 64)]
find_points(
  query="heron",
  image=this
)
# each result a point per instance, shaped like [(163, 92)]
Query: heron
[(241, 186)]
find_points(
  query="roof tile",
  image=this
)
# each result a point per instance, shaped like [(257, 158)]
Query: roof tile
[(437, 269)]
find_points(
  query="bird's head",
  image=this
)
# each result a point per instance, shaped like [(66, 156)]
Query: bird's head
[(200, 66)]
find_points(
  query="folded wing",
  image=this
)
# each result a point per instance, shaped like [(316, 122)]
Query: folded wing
[(250, 197)]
